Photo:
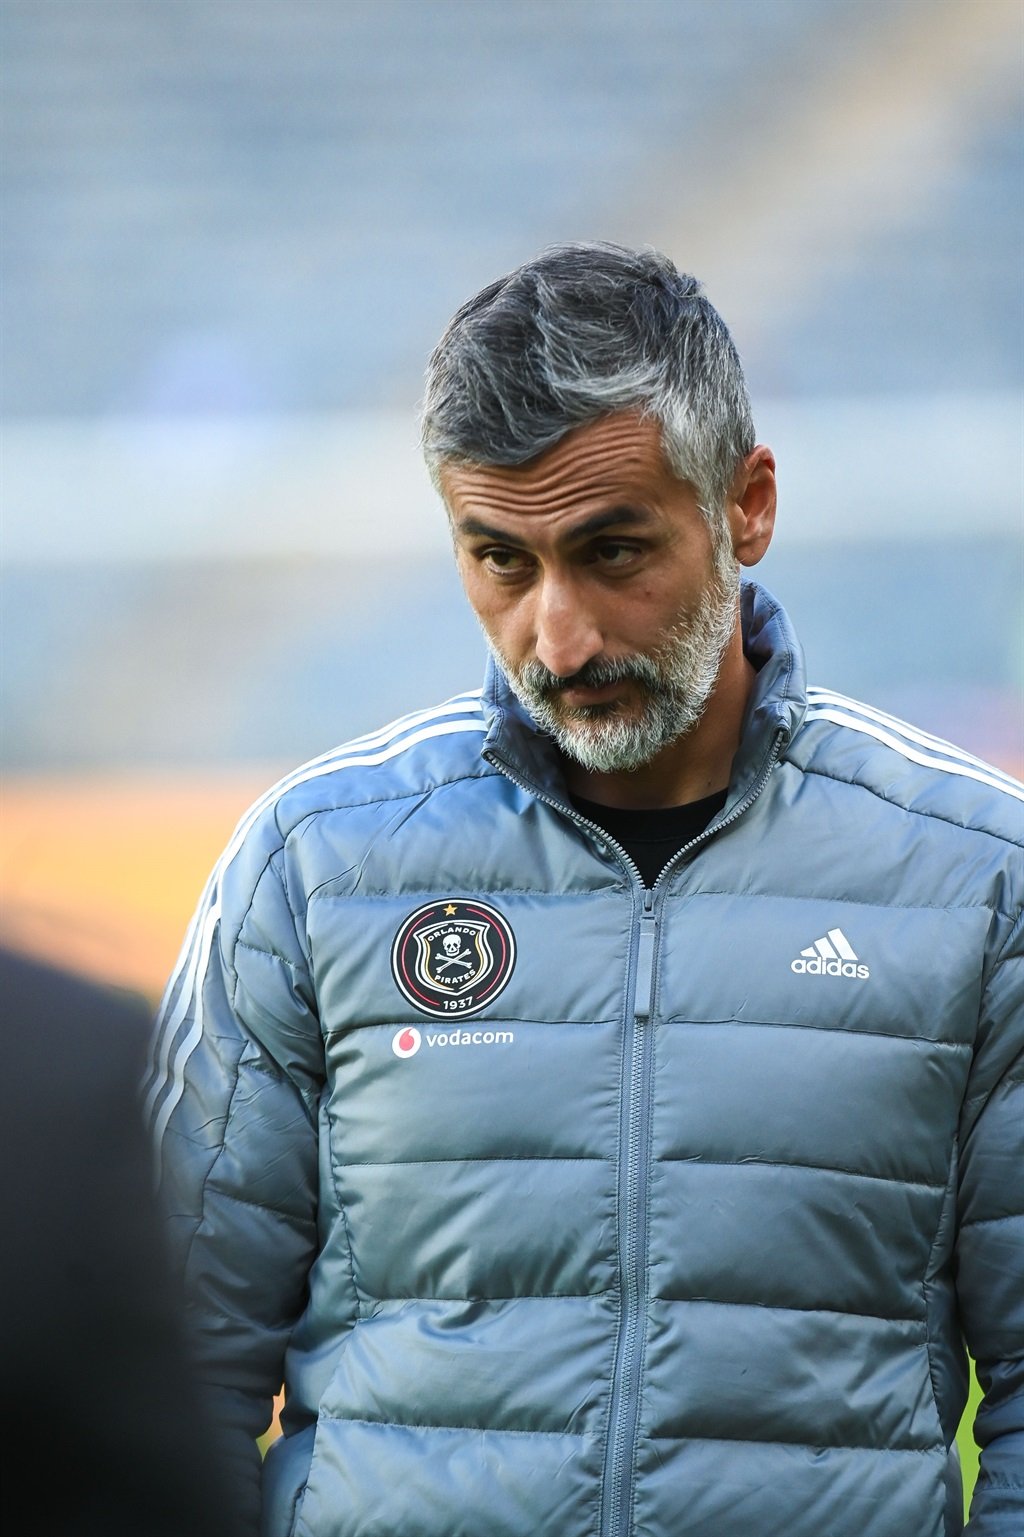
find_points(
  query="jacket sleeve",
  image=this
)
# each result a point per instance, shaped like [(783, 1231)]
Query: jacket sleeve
[(990, 1245), (232, 1099)]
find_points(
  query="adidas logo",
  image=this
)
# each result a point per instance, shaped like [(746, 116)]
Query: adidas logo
[(831, 956)]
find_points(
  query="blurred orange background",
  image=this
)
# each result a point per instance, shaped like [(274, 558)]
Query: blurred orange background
[(102, 873)]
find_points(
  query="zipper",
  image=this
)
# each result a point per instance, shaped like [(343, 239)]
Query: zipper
[(567, 811), (634, 1139), (624, 1412), (714, 828), (634, 1161), (643, 988), (580, 820)]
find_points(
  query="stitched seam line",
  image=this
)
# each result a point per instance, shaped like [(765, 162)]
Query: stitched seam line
[(290, 1218), (415, 894), (817, 1168), (467, 776), (814, 1446), (931, 1281), (839, 1029), (268, 955), (413, 1163), (216, 1159), (493, 1022), (480, 1430), (378, 1302), (913, 811), (1013, 1216), (843, 901), (274, 869), (783, 1307), (334, 1175), (1018, 926)]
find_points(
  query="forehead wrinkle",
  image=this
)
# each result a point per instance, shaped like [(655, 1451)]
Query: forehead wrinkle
[(606, 473), (609, 494)]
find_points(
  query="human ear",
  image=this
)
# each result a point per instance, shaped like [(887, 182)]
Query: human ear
[(751, 506)]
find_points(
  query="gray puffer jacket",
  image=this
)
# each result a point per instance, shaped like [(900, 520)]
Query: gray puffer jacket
[(564, 1208)]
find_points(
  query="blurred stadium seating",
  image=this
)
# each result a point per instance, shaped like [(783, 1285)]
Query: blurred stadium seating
[(232, 233), (233, 229)]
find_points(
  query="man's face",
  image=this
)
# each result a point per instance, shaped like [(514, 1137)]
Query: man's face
[(599, 587)]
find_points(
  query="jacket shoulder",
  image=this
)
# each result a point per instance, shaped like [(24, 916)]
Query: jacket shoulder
[(409, 758), (854, 743)]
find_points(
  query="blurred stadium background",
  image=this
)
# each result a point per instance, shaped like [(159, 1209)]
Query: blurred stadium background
[(232, 231)]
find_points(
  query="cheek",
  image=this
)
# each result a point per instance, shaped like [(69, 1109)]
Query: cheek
[(643, 614), (507, 636), (502, 619)]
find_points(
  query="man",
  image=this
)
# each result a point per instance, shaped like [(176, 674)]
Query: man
[(599, 1098), (102, 1435)]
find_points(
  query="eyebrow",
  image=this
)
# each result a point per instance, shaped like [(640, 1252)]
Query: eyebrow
[(613, 517)]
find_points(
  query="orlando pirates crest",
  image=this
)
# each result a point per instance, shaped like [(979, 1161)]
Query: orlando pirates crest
[(453, 957)]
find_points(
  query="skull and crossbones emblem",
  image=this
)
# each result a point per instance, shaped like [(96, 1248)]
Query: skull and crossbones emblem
[(455, 954)]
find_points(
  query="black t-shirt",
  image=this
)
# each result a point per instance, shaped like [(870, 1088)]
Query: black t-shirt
[(650, 838)]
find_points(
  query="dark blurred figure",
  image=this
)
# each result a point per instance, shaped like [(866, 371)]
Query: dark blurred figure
[(101, 1433)]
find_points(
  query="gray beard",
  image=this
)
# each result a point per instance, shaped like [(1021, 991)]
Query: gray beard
[(675, 682)]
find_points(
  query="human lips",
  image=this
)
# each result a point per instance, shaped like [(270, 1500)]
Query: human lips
[(577, 695), (599, 688)]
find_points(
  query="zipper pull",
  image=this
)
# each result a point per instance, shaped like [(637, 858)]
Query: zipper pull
[(643, 993)]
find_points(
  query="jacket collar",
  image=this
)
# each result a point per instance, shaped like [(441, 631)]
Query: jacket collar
[(778, 699)]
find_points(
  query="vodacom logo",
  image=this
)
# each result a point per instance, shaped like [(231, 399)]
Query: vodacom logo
[(407, 1042)]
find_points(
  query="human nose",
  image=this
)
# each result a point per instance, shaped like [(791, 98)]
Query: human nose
[(568, 635)]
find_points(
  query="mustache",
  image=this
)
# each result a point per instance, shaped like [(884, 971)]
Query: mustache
[(545, 684)]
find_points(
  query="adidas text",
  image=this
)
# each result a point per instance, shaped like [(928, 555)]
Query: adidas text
[(819, 968), (830, 956)]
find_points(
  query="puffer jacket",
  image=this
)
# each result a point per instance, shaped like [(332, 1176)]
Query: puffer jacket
[(565, 1208)]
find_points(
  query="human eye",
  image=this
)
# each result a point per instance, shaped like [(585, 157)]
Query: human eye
[(503, 560), (616, 554)]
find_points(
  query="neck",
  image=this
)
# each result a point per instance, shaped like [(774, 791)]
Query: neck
[(696, 765)]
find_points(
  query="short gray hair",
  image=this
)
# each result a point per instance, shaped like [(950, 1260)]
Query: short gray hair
[(579, 332)]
